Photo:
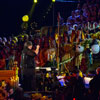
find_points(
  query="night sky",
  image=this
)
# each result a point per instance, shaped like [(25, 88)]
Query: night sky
[(11, 12)]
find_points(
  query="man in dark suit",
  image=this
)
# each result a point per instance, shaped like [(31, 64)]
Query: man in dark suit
[(28, 66)]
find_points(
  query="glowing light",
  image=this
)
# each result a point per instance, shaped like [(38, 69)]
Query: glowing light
[(53, 0), (87, 80), (74, 99), (25, 18), (35, 1)]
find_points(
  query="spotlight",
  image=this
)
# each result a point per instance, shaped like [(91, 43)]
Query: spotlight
[(53, 0), (35, 1), (25, 18)]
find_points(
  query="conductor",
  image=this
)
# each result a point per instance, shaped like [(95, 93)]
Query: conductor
[(28, 66)]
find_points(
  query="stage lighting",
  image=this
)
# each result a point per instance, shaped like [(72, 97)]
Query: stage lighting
[(53, 0), (25, 18), (35, 1)]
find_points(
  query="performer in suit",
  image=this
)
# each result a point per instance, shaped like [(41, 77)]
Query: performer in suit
[(28, 66)]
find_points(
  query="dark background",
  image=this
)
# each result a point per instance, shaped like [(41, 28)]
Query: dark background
[(11, 12)]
